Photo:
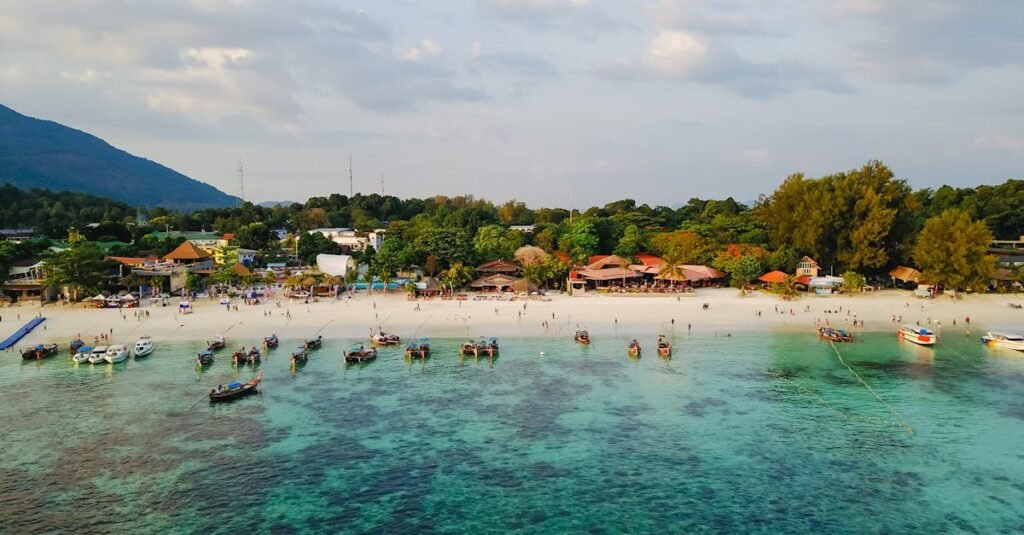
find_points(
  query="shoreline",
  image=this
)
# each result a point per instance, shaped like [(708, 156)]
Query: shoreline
[(354, 318)]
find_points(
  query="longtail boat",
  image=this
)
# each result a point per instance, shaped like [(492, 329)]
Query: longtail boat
[(418, 349), (360, 354), (634, 348), (583, 337), (664, 347), (232, 391)]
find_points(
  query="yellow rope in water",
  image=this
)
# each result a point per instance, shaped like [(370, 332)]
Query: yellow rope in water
[(899, 418)]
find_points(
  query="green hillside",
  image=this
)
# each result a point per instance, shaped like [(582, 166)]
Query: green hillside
[(43, 154)]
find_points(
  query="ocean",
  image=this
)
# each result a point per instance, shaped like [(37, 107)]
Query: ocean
[(749, 433)]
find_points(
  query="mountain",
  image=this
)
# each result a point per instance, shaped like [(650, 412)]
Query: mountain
[(43, 154)]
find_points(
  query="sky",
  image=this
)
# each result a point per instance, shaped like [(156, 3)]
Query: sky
[(552, 102)]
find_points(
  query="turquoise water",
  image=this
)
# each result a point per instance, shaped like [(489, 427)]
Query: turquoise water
[(760, 433)]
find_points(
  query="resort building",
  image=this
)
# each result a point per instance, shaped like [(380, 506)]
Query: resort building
[(26, 282), (502, 282), (17, 235), (603, 271), (351, 240), (199, 239), (335, 264), (807, 268), (525, 229), (497, 266)]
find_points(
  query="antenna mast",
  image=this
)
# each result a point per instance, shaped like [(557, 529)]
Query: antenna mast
[(241, 180), (351, 191), (382, 184)]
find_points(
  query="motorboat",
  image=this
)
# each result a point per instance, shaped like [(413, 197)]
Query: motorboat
[(75, 345), (39, 352), (834, 335), (99, 355), (218, 343), (204, 359), (82, 355), (918, 335), (1004, 340), (385, 339), (233, 391), (144, 347), (116, 353)]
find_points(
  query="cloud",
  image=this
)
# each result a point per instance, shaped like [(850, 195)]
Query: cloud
[(759, 157), (691, 57), (1000, 142), (427, 49), (582, 17), (213, 60), (513, 63), (933, 44)]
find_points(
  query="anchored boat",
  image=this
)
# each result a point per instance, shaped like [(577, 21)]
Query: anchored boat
[(918, 335), (116, 353), (39, 352), (1004, 340), (144, 347), (235, 390)]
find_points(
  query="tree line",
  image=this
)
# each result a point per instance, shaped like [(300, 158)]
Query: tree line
[(864, 220)]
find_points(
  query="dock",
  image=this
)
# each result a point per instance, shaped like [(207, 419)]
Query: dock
[(21, 333)]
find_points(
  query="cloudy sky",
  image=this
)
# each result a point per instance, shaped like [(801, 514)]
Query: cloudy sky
[(554, 102)]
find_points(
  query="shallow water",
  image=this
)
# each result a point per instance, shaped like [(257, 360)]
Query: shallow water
[(756, 432)]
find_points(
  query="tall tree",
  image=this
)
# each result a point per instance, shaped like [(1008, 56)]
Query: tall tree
[(952, 251), (631, 243), (81, 268), (580, 241), (494, 242)]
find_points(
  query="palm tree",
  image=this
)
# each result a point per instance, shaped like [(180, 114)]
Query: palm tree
[(457, 275), (671, 267), (368, 279)]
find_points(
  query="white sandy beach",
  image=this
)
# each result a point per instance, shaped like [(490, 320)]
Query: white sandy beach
[(353, 319)]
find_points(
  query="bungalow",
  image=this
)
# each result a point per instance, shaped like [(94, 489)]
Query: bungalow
[(497, 266), (807, 268), (501, 282), (17, 235), (602, 272)]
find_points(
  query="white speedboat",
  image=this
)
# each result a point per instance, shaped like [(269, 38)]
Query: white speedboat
[(918, 335), (82, 355), (99, 355), (1008, 341), (117, 353), (144, 346)]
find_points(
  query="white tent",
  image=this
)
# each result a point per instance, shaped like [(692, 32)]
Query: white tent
[(335, 264)]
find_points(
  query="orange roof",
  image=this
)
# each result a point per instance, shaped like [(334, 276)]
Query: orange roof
[(228, 236), (596, 258), (561, 255), (497, 266), (128, 260), (241, 270), (186, 251), (773, 277), (648, 259), (804, 279)]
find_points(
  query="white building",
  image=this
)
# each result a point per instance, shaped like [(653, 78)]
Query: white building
[(335, 264), (525, 229), (352, 240)]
